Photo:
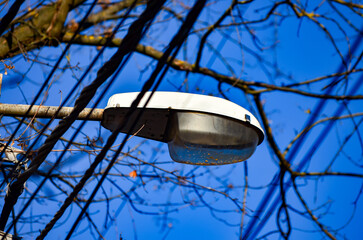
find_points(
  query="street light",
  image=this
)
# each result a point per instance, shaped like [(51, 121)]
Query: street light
[(199, 129)]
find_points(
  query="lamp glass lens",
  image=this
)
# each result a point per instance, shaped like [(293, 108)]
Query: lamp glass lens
[(206, 139)]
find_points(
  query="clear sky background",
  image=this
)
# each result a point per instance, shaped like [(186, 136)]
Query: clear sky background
[(289, 50)]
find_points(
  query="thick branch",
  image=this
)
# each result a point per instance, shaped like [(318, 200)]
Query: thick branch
[(185, 66), (44, 25), (19, 110)]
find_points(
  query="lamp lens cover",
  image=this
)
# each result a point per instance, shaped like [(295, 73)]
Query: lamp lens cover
[(207, 139)]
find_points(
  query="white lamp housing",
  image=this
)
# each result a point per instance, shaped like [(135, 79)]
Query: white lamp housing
[(199, 129)]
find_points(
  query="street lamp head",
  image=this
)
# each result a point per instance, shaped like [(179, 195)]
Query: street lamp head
[(199, 129)]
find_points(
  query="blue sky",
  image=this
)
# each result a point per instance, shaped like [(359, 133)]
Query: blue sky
[(299, 49)]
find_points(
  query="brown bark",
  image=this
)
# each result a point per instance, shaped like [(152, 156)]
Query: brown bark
[(40, 27), (19, 110)]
